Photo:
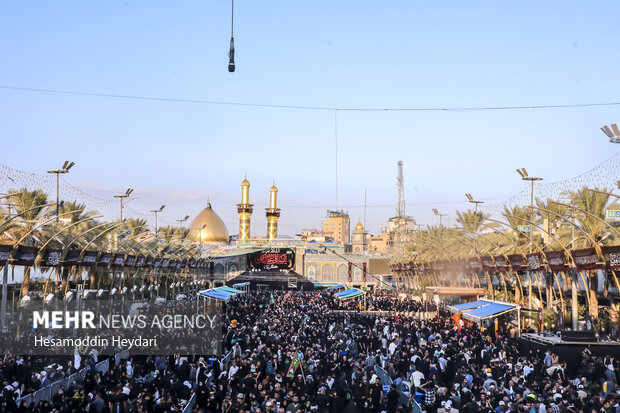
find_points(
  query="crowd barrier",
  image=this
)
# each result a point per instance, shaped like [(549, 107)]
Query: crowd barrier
[(47, 392), (190, 404)]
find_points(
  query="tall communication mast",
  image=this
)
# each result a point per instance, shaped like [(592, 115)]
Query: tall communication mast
[(400, 204)]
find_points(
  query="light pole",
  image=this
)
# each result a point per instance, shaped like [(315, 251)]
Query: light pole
[(155, 211), (439, 214), (473, 201), (182, 220), (65, 169), (121, 197), (524, 176), (614, 137)]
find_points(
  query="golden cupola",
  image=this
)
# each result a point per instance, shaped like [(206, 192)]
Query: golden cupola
[(359, 227), (208, 227)]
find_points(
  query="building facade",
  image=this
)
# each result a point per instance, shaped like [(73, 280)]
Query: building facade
[(337, 227)]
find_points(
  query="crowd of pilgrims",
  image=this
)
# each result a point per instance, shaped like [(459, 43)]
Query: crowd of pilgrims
[(453, 370)]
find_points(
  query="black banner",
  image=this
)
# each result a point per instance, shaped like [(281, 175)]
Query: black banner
[(51, 258), (118, 260), (104, 260), (89, 258), (273, 259), (5, 253), (72, 258), (25, 255), (517, 262), (612, 255), (556, 260), (586, 259)]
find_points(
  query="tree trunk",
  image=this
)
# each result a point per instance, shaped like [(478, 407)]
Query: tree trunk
[(26, 282), (593, 291), (549, 289), (64, 280), (574, 299)]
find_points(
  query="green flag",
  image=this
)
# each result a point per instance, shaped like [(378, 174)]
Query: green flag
[(273, 300), (295, 363), (303, 323)]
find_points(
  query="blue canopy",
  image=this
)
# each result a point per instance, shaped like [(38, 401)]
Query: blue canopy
[(216, 295), (352, 295), (489, 310), (229, 290), (467, 306), (335, 287), (352, 290)]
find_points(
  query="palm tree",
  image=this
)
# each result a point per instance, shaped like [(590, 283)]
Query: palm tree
[(472, 222), (596, 204), (31, 204), (517, 216)]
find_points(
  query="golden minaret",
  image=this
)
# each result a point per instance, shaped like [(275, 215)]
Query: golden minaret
[(245, 211), (273, 213)]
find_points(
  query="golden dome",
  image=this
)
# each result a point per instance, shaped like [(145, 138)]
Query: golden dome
[(359, 227), (214, 230), (245, 182)]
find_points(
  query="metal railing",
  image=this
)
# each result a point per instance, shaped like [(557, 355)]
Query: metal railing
[(190, 404), (47, 392)]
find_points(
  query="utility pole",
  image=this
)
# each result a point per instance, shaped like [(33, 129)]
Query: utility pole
[(64, 170), (524, 176), (156, 211), (121, 197)]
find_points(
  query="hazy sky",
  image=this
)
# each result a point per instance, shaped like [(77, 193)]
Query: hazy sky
[(335, 54)]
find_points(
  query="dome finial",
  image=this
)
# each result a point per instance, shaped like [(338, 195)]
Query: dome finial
[(209, 202)]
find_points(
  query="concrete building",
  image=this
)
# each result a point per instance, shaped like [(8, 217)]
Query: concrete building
[(337, 227), (332, 268)]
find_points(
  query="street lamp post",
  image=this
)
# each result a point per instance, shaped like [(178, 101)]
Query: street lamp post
[(524, 176), (65, 169), (614, 137), (471, 200), (156, 211), (440, 215), (182, 220), (121, 197)]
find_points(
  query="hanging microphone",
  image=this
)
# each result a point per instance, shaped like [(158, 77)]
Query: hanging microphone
[(231, 55)]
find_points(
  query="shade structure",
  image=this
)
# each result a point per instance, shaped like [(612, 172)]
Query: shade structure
[(341, 293), (336, 287), (488, 311), (467, 306), (229, 290), (351, 295), (215, 295)]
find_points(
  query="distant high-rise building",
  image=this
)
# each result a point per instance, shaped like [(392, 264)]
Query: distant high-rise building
[(337, 226)]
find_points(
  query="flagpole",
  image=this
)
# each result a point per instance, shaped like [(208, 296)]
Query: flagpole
[(303, 375)]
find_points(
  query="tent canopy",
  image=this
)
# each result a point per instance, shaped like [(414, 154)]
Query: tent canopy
[(220, 293), (215, 295), (467, 306), (336, 287), (477, 311), (341, 293), (228, 290), (488, 311), (352, 295)]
